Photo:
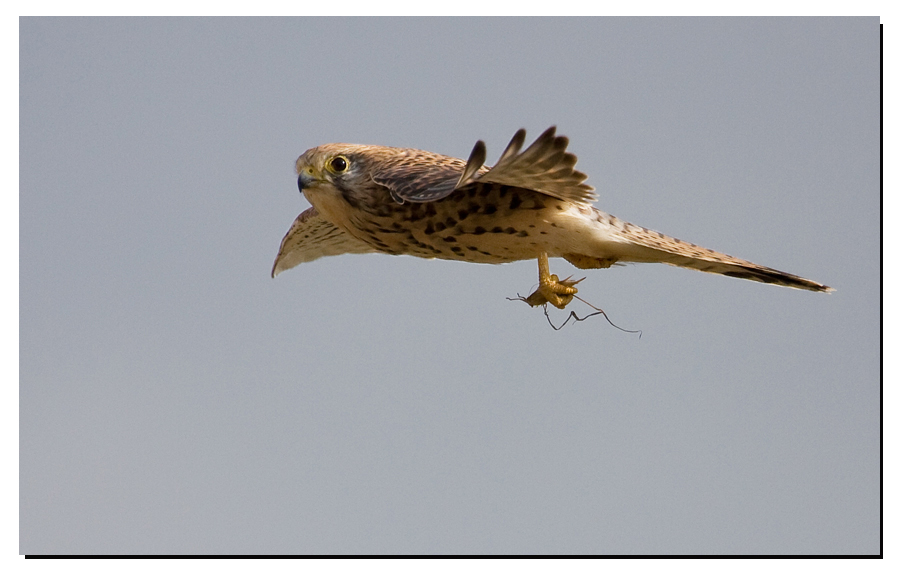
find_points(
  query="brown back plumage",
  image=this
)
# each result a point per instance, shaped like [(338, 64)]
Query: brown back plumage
[(545, 167)]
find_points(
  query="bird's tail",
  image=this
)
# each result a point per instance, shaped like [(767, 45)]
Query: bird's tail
[(637, 244)]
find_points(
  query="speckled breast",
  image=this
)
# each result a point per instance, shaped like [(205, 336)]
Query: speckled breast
[(483, 223)]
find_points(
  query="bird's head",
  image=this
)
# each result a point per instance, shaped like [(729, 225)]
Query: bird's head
[(329, 168), (323, 165), (374, 174)]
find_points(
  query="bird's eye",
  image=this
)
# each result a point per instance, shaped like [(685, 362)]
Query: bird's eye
[(339, 164)]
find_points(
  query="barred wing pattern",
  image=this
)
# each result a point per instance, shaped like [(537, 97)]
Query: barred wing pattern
[(312, 237)]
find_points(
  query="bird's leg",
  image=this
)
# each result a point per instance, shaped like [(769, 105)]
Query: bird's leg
[(550, 288)]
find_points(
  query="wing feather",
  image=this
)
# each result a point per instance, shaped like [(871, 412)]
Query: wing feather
[(312, 237), (545, 167), (418, 176), (473, 165)]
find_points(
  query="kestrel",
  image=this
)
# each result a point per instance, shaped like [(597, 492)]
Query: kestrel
[(532, 204)]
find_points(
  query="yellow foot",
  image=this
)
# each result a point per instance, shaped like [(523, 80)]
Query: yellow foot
[(554, 291), (550, 288)]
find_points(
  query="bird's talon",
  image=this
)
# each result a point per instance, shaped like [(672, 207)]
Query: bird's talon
[(552, 290)]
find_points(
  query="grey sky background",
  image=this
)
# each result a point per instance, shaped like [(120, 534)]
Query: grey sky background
[(176, 399)]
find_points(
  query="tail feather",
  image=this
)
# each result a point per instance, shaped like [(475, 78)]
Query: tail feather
[(650, 246)]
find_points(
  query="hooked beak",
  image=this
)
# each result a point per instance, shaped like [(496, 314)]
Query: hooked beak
[(304, 179)]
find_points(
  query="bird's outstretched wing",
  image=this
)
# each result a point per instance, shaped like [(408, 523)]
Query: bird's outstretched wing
[(312, 237), (544, 167)]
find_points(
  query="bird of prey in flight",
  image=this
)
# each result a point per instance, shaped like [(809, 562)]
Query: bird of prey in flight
[(531, 204)]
